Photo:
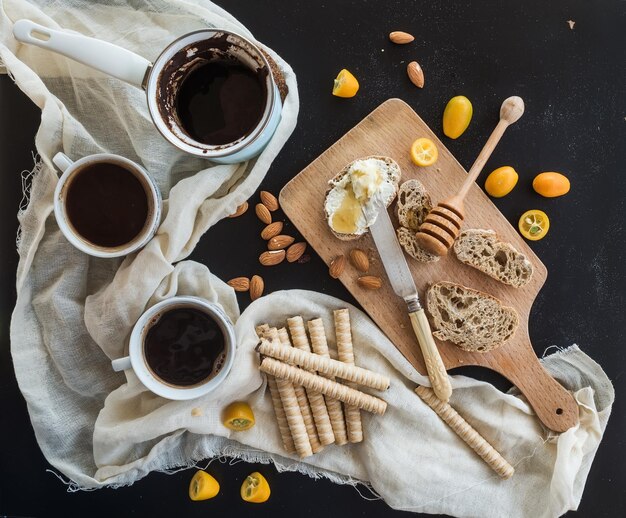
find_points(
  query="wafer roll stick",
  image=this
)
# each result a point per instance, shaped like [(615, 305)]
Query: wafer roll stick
[(318, 383), (345, 354), (303, 402), (316, 400), (315, 362), (465, 431), (291, 408), (261, 330), (294, 418), (335, 412), (281, 418)]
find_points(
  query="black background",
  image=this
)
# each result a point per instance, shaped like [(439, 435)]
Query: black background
[(573, 83)]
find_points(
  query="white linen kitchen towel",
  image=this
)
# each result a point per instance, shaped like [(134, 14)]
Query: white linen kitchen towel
[(74, 313)]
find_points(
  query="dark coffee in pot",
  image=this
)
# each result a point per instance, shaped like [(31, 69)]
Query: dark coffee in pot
[(220, 102), (184, 346), (106, 204)]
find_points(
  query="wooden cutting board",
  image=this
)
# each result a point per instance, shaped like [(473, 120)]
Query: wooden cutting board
[(389, 130)]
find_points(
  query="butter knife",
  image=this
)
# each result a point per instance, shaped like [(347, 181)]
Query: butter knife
[(403, 285)]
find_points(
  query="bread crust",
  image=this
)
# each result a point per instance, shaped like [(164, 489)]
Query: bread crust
[(395, 173)]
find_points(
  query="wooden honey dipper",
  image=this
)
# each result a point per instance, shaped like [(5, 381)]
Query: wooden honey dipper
[(443, 224)]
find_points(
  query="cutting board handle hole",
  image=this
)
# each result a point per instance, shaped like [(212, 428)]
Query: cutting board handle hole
[(559, 411)]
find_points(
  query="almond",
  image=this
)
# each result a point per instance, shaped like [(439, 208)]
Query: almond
[(240, 210), (239, 283), (272, 257), (416, 75), (369, 282), (263, 213), (295, 251), (256, 287), (279, 242), (401, 38), (269, 200), (337, 266), (273, 229), (359, 260)]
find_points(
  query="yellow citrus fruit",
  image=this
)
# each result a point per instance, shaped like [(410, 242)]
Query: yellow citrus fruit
[(551, 185), (424, 152), (345, 84), (501, 181), (534, 224), (255, 488), (238, 416), (457, 116), (203, 486)]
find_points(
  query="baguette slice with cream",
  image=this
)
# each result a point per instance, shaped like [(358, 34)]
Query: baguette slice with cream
[(349, 203)]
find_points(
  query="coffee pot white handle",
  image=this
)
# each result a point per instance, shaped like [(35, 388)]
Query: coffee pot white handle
[(101, 55)]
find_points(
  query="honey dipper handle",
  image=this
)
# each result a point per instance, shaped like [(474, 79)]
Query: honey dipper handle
[(510, 111), (482, 158), (434, 364)]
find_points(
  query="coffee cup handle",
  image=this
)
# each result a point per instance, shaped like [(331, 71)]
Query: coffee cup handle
[(121, 364), (62, 161), (101, 55)]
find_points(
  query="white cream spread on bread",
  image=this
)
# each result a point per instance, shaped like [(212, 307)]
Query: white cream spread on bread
[(350, 204)]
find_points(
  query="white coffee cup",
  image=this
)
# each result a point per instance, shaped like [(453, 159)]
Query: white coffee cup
[(136, 359), (153, 196)]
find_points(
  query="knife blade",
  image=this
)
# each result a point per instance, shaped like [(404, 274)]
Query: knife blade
[(401, 280), (392, 256)]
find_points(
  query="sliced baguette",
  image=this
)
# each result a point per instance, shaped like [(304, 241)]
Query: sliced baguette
[(473, 320), (414, 204), (407, 240), (482, 250), (393, 174)]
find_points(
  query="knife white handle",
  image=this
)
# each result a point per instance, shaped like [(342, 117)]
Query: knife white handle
[(434, 364)]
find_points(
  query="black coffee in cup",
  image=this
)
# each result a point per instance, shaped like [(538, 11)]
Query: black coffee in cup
[(184, 346), (106, 204)]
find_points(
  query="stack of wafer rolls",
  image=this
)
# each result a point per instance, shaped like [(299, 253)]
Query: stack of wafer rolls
[(305, 391)]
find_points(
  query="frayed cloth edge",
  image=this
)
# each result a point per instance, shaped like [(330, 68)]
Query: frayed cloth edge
[(233, 454), (27, 177)]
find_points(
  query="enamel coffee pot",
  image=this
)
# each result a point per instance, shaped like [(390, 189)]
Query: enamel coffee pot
[(175, 60)]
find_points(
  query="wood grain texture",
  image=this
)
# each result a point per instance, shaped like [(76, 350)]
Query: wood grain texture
[(389, 130)]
